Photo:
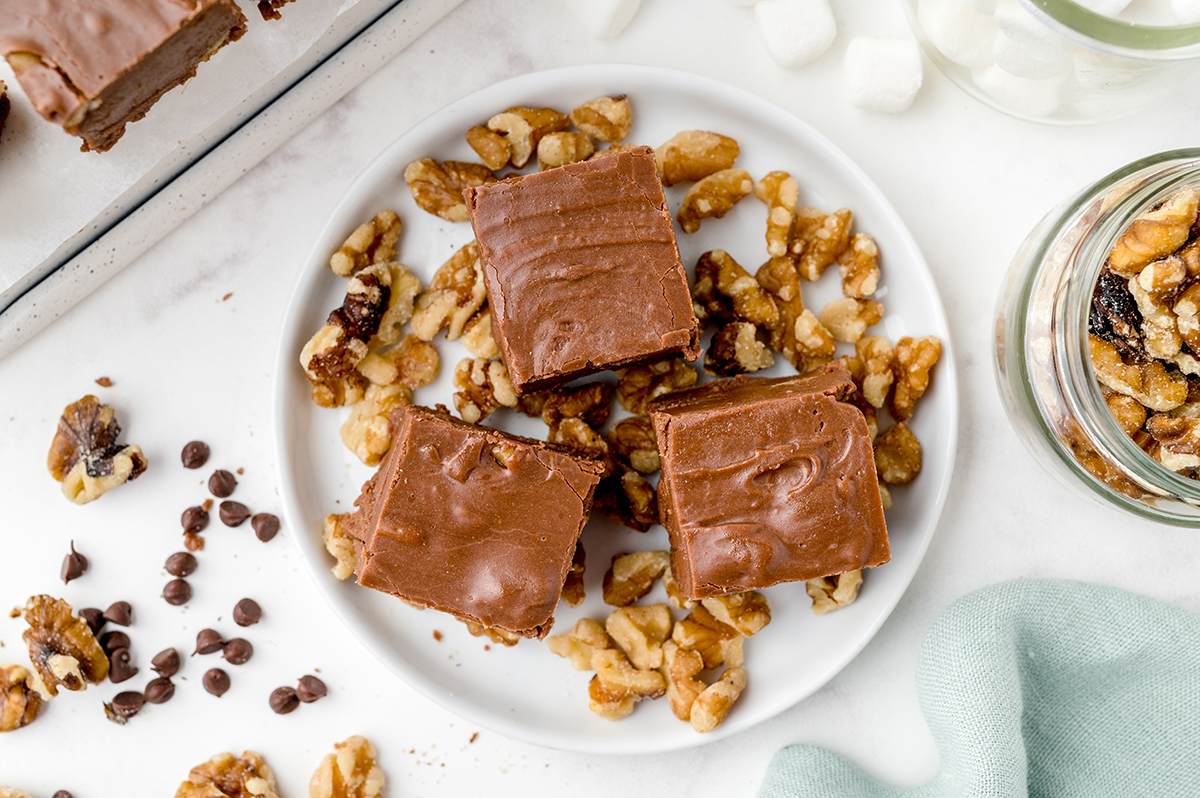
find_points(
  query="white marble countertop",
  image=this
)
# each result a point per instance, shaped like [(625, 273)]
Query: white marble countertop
[(187, 361)]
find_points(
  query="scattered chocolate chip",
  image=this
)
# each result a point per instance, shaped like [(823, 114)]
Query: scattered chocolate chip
[(208, 641), (177, 592), (104, 382), (120, 613), (247, 612), (193, 542), (111, 641), (266, 526), (64, 793), (310, 689), (181, 564), (94, 617), (234, 513), (194, 519), (284, 700), (128, 703), (160, 690), (120, 668), (237, 651), (195, 454), (216, 681), (221, 484), (166, 663), (75, 564)]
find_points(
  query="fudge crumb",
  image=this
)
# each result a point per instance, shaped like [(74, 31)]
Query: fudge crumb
[(104, 382), (226, 297), (474, 737), (437, 635)]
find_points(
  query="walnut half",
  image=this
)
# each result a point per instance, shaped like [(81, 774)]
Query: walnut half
[(227, 776), (349, 772), (19, 703), (85, 456), (62, 648)]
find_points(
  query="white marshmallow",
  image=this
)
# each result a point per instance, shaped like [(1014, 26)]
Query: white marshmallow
[(1029, 98), (883, 75), (959, 31), (1186, 11), (1027, 48), (604, 19), (795, 31), (1105, 8)]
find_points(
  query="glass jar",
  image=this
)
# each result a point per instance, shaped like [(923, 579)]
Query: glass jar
[(1053, 60), (1043, 366)]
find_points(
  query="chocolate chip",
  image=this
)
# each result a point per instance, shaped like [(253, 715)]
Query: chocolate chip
[(195, 454), (181, 563), (194, 519), (177, 592), (221, 484), (120, 613), (111, 641), (94, 617), (208, 641), (119, 668), (237, 651), (266, 526), (64, 793), (310, 689), (75, 564), (160, 690), (166, 663), (128, 703), (234, 513), (247, 612), (284, 700), (193, 542), (216, 681)]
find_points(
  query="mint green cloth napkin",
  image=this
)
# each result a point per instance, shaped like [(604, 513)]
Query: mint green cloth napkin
[(1042, 688)]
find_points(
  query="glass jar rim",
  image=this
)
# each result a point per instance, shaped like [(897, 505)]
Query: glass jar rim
[(1116, 37)]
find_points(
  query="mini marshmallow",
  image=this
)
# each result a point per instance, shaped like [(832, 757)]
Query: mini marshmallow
[(604, 19), (1186, 11), (1034, 99), (959, 31), (1105, 8), (883, 75), (1025, 47), (795, 31)]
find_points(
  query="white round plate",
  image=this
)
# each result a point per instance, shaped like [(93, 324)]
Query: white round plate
[(526, 692)]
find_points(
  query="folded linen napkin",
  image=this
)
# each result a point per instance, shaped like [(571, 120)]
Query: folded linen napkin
[(1042, 688)]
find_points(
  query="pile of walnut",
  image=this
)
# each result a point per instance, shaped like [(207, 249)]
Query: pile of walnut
[(643, 652), (1145, 333), (349, 772)]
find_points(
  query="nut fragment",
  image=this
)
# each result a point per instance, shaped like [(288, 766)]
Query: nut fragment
[(781, 279), (590, 402), (85, 456), (779, 191), (1149, 383), (339, 544), (674, 595), (847, 319), (747, 612), (819, 239), (226, 776), (492, 147), (495, 634), (897, 455), (561, 148), (638, 385), (713, 197), (694, 155), (1155, 234), (578, 644), (631, 576), (632, 439), (858, 267), (367, 430), (577, 435), (413, 363), (718, 643), (876, 354), (608, 703), (605, 118), (349, 772), (19, 703), (833, 592), (1160, 329), (371, 242), (915, 358), (735, 349), (711, 706), (437, 187), (626, 496), (640, 633), (1129, 412), (483, 386), (573, 590), (524, 128), (680, 667), (454, 295), (477, 334), (815, 345), (724, 291), (62, 648), (618, 674), (1178, 435)]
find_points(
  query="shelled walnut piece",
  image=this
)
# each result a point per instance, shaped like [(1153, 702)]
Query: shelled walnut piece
[(833, 592), (19, 702), (607, 119), (693, 155), (437, 187), (455, 294), (371, 242), (62, 648), (524, 127), (85, 456), (483, 386), (227, 776), (349, 772), (712, 197), (367, 430), (340, 546)]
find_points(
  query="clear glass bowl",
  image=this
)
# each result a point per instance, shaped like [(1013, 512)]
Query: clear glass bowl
[(1043, 368), (1054, 61)]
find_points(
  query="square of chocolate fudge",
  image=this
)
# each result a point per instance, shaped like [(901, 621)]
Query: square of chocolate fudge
[(472, 521), (93, 66), (582, 269), (767, 481)]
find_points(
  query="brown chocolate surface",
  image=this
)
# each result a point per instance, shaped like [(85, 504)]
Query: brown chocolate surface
[(445, 524), (582, 269), (93, 66), (767, 481)]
